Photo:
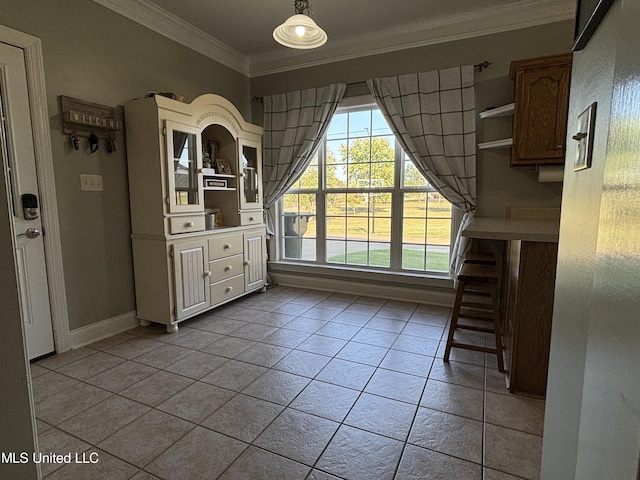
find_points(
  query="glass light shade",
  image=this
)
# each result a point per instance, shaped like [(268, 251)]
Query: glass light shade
[(312, 37)]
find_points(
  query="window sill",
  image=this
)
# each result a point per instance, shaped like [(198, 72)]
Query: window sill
[(426, 288)]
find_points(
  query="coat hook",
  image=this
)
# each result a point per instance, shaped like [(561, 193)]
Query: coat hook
[(111, 144), (94, 142), (75, 141)]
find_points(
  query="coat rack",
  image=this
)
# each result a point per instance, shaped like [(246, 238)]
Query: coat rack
[(92, 120)]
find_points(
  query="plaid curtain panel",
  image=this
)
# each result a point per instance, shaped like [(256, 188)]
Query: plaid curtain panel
[(294, 125), (433, 117)]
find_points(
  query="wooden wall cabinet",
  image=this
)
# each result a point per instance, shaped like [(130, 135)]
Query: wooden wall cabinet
[(182, 268), (541, 100)]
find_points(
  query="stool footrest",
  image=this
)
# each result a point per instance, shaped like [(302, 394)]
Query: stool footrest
[(472, 316), (475, 348), (477, 305), (476, 329)]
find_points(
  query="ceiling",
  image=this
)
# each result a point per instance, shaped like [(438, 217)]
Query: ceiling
[(238, 32)]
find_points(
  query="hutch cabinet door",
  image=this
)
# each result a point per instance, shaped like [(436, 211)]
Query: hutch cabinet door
[(251, 175), (255, 256), (192, 277), (184, 168)]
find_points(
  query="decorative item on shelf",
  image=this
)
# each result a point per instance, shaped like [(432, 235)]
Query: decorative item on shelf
[(213, 150), (223, 166), (300, 31), (215, 183), (206, 161), (171, 95), (210, 215)]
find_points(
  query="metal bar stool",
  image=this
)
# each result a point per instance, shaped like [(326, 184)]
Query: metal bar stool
[(473, 278)]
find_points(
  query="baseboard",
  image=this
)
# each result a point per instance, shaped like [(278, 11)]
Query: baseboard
[(419, 295), (105, 328)]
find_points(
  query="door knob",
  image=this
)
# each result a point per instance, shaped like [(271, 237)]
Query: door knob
[(31, 233)]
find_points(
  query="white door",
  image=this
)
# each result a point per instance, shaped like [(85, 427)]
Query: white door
[(18, 158)]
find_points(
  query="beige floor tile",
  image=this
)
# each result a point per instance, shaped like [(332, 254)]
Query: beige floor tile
[(257, 464), (306, 325), (263, 354), (363, 309), (197, 365), (449, 434), (146, 437), (200, 455), (326, 400), (490, 474), (106, 467), (395, 313), (496, 381), (352, 318), (275, 319), (196, 339), (396, 385), (223, 326), (289, 436), (112, 341), (318, 475), (461, 355), (104, 419), (386, 324), (243, 417), (277, 387), (373, 301), (91, 365), (60, 443), (156, 388), (406, 362), (519, 413), (58, 360), (229, 347), (133, 348), (375, 337), (306, 364), (459, 373), (342, 331), (334, 303), (513, 452), (234, 375), (296, 307), (64, 404), (422, 464), (421, 346), (362, 353), (122, 376), (163, 356), (50, 383), (429, 318), (383, 416), (197, 401), (254, 331), (141, 475), (286, 337), (359, 455), (346, 374), (455, 399), (37, 370), (423, 330), (322, 345)]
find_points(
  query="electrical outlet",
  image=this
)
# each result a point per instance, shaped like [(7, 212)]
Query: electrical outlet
[(91, 183)]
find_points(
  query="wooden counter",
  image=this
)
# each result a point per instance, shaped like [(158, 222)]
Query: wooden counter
[(528, 284)]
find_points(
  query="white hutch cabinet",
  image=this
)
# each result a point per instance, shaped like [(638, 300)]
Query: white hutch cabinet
[(183, 265)]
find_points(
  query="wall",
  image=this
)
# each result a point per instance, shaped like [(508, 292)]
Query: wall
[(94, 54), (592, 423), (499, 185)]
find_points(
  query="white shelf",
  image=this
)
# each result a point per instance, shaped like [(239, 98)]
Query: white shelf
[(220, 189), (504, 143), (210, 172), (502, 111)]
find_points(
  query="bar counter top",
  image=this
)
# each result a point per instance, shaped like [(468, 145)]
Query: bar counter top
[(527, 229)]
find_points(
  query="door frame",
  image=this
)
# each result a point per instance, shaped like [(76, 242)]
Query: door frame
[(32, 48)]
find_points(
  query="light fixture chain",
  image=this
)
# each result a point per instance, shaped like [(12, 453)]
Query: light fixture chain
[(301, 6)]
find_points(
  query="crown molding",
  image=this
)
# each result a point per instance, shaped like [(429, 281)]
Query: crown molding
[(160, 21), (523, 14), (528, 13)]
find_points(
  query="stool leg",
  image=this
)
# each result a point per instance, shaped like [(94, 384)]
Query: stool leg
[(496, 326), (454, 319)]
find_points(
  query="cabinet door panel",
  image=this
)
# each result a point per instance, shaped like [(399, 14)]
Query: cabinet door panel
[(255, 259), (184, 168), (191, 262)]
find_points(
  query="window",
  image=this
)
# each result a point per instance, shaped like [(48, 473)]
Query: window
[(362, 203)]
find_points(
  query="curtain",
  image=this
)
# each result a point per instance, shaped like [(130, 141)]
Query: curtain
[(433, 117), (294, 124)]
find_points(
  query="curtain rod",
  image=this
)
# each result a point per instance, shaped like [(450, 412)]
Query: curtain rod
[(480, 66)]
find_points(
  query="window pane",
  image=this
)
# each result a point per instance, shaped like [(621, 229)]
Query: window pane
[(380, 228), (360, 124), (357, 228), (415, 205), (439, 231), (337, 127), (336, 176), (336, 227), (412, 176), (299, 226), (414, 230), (438, 259), (357, 253), (379, 254), (336, 152), (413, 257), (336, 251), (379, 124)]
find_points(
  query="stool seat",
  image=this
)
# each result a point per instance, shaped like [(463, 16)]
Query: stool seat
[(471, 277), (480, 257)]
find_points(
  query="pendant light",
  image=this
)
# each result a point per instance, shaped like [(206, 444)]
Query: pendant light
[(300, 31)]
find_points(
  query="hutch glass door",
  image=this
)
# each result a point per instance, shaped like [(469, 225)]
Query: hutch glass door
[(250, 186), (184, 165)]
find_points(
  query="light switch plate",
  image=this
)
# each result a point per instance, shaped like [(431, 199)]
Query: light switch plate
[(584, 137), (91, 183)]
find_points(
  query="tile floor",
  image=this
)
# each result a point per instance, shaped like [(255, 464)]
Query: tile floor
[(289, 384)]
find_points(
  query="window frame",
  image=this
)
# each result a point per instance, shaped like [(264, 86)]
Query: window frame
[(398, 191)]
